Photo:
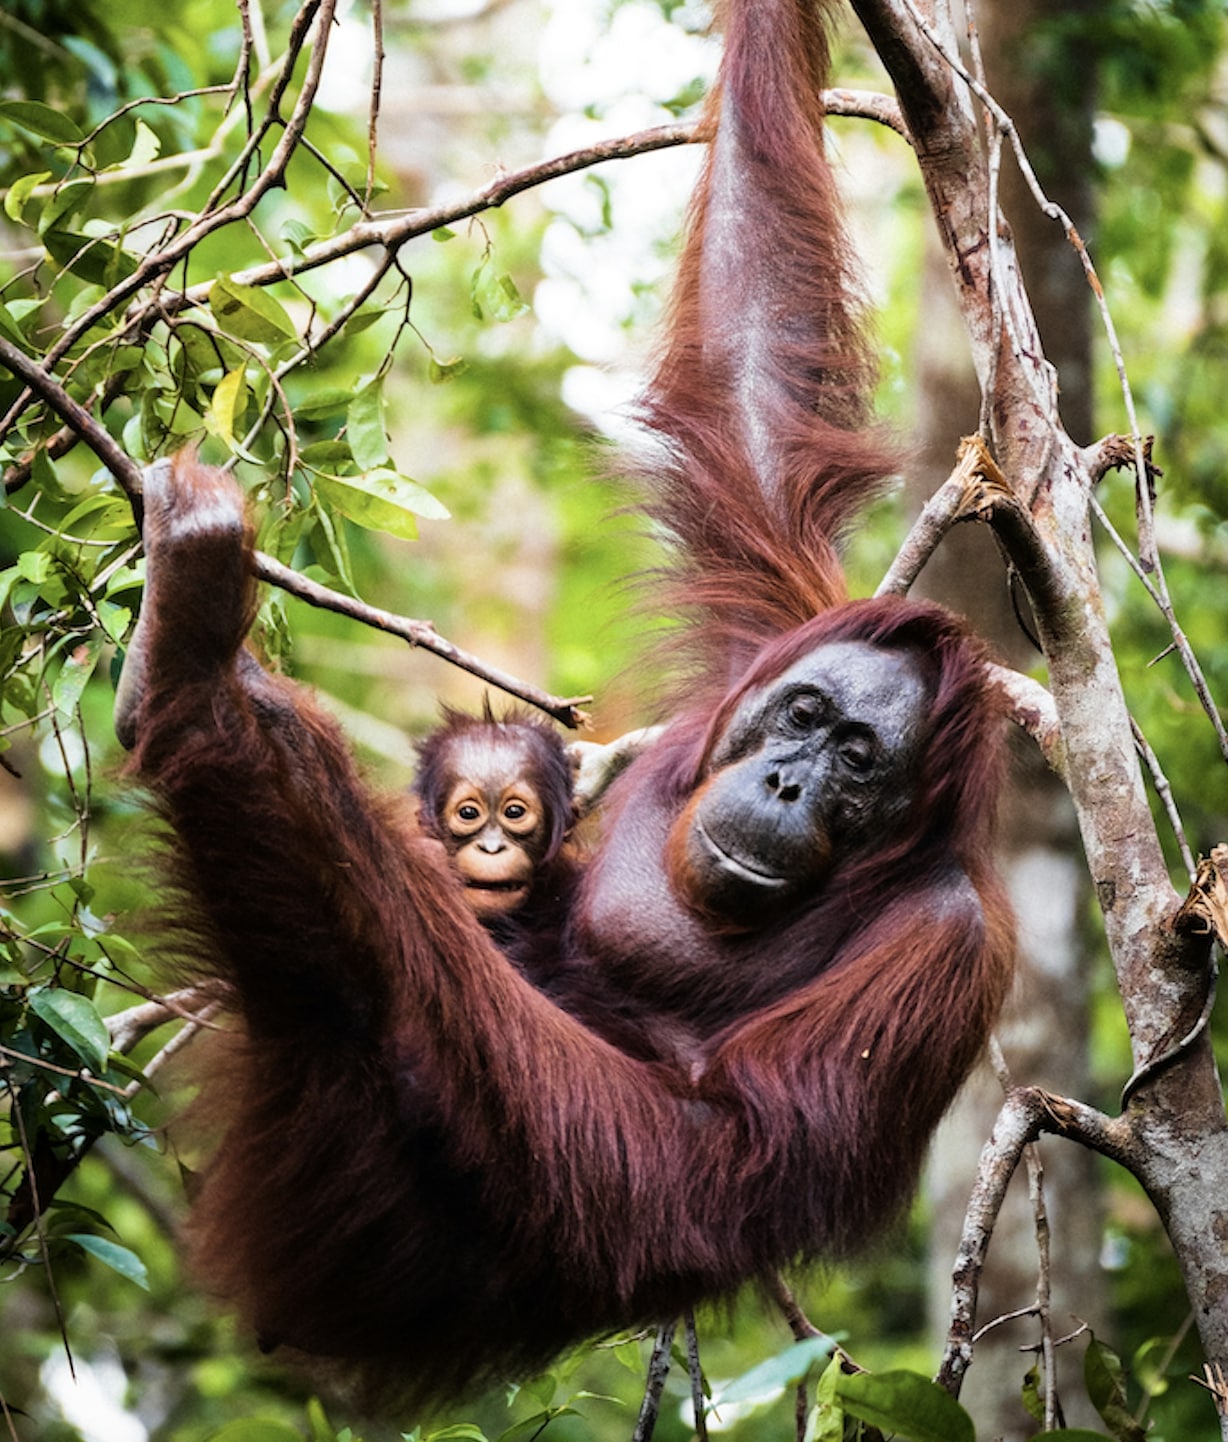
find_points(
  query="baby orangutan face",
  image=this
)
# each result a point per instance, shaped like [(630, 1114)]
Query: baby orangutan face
[(494, 822)]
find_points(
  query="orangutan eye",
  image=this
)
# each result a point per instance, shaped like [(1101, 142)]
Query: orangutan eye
[(805, 711), (468, 812), (858, 752)]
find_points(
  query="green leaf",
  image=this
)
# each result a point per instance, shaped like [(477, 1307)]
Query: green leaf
[(441, 371), (297, 235), (322, 1430), (74, 674), (229, 399), (627, 1354), (10, 328), (145, 147), (63, 204), (34, 566), (534, 1426), (443, 233), (41, 120), (542, 1389), (119, 1259), (364, 427), (907, 1404), (115, 620), (467, 1430), (101, 507), (329, 546), (1105, 1380), (85, 892), (256, 1429), (384, 489), (362, 320), (179, 418), (828, 1414), (327, 401), (1029, 1395), (250, 313), (42, 469), (1149, 1363), (381, 500), (100, 262), (75, 1020), (19, 193), (778, 1373), (495, 295)]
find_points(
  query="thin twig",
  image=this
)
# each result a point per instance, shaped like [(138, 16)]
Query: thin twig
[(1160, 599), (1040, 1217), (377, 85), (191, 1004), (393, 231), (698, 1403), (8, 1419), (19, 1121), (1002, 1319), (1165, 793), (173, 1047), (1026, 1112), (962, 496), (658, 1370), (565, 709), (77, 1074)]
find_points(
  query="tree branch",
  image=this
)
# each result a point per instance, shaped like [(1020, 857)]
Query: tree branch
[(163, 259), (422, 634), (1025, 1114)]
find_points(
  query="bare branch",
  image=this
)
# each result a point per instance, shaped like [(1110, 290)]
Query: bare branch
[(1033, 710), (696, 1371), (421, 634), (377, 85), (1026, 1113), (128, 1027), (393, 231), (867, 105), (658, 1370), (962, 496)]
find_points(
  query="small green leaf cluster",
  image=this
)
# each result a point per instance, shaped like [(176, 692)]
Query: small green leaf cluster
[(66, 1090)]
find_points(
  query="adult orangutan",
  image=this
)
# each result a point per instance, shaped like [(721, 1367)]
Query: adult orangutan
[(770, 979)]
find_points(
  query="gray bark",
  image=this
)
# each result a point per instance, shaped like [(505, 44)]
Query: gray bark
[(1173, 1135)]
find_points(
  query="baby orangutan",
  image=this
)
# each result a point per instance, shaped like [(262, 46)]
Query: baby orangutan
[(498, 795)]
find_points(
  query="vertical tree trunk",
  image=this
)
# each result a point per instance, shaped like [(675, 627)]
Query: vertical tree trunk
[(1048, 89)]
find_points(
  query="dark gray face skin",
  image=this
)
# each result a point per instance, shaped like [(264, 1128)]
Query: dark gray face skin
[(813, 766)]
